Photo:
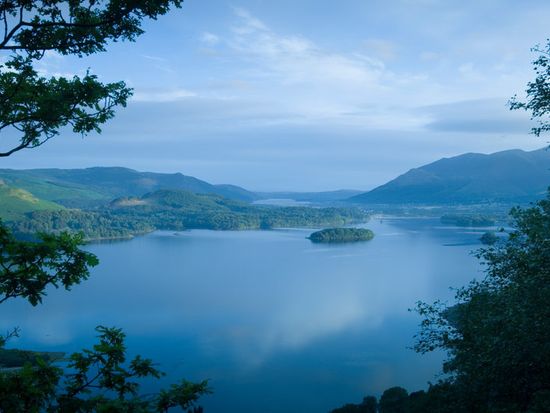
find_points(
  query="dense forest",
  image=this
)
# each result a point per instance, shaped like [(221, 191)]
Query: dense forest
[(176, 211)]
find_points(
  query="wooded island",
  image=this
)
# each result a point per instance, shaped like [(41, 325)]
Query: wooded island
[(334, 235)]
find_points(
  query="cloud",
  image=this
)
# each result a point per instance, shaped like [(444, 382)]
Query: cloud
[(251, 23), (52, 65), (296, 59), (162, 96), (488, 116), (210, 38), (159, 63), (52, 54), (154, 58), (369, 86), (364, 88), (295, 74), (313, 100)]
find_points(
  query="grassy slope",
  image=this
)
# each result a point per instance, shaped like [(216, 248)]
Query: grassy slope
[(50, 190), (16, 202), (74, 187)]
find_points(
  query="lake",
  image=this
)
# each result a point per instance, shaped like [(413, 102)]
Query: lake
[(277, 324)]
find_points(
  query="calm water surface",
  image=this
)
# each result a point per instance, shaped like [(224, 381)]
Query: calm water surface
[(277, 324)]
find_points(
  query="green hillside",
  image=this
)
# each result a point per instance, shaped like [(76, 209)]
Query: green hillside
[(90, 187), (16, 202), (64, 193)]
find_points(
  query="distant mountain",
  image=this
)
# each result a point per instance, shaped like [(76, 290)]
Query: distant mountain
[(234, 192), (508, 176), (15, 203), (314, 197), (84, 187)]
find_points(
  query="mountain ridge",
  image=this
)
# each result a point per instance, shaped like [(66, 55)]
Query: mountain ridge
[(102, 184), (507, 176)]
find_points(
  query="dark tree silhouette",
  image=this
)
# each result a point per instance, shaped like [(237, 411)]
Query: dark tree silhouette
[(35, 107)]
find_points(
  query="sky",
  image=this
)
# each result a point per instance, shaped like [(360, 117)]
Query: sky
[(307, 95)]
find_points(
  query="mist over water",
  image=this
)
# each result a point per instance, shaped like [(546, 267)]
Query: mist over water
[(277, 324)]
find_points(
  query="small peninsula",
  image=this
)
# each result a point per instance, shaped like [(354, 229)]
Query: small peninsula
[(339, 235)]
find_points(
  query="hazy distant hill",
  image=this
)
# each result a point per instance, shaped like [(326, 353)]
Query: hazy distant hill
[(508, 176), (82, 187), (176, 209), (314, 197), (178, 199)]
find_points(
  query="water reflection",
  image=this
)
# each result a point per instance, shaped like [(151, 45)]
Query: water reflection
[(265, 313)]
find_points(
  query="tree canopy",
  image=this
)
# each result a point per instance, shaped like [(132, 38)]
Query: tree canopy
[(27, 268), (34, 107), (538, 92), (99, 380)]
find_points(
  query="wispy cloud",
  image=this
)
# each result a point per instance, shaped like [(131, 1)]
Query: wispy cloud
[(209, 38), (154, 58), (160, 63), (296, 74), (486, 116), (296, 59), (363, 88), (53, 64), (251, 23), (160, 96)]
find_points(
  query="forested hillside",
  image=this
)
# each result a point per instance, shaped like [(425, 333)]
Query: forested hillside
[(178, 210)]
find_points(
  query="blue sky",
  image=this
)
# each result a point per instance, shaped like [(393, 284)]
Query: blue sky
[(310, 95)]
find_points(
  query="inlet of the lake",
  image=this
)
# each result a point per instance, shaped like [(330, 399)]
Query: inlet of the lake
[(275, 322)]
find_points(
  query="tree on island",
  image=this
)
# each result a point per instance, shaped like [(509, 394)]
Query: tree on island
[(36, 108), (341, 235)]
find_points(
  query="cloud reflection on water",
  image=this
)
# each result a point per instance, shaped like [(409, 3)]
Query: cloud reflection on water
[(243, 293)]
